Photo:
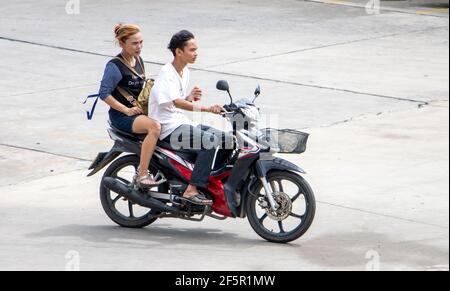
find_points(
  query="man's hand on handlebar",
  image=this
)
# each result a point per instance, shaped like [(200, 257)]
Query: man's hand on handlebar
[(216, 109)]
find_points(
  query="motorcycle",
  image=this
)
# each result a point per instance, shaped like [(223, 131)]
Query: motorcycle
[(246, 180)]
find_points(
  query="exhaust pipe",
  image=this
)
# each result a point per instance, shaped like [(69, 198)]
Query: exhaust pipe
[(134, 196)]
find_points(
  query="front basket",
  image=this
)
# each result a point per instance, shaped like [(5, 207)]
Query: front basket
[(285, 141)]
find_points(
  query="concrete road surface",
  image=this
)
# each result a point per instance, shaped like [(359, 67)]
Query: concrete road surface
[(371, 86)]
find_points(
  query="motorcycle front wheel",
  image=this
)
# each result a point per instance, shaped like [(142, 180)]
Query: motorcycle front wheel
[(296, 212)]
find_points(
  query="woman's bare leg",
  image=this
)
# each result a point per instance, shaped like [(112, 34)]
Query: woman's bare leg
[(144, 125)]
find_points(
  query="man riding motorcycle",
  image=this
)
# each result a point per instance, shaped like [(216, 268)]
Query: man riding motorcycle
[(169, 97)]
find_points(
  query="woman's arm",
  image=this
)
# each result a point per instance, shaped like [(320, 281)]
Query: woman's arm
[(111, 101), (110, 80)]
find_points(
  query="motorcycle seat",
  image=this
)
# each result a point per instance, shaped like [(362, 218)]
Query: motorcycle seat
[(185, 154), (132, 136)]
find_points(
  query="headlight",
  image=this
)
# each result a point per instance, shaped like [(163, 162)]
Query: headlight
[(251, 113)]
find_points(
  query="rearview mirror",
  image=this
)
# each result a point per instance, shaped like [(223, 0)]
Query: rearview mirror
[(222, 85), (258, 91)]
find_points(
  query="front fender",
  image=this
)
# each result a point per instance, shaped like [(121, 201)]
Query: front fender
[(265, 166)]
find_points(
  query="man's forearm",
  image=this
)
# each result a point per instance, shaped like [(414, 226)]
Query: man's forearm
[(188, 106)]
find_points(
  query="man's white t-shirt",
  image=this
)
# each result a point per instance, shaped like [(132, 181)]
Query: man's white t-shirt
[(169, 86)]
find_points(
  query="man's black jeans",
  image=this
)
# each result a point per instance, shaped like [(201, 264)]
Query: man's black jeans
[(204, 141)]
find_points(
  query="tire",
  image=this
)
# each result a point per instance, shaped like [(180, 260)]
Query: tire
[(107, 201), (252, 205)]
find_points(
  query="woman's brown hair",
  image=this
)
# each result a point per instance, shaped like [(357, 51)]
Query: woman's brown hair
[(124, 31)]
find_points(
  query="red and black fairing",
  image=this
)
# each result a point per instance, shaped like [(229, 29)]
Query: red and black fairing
[(175, 165), (223, 182)]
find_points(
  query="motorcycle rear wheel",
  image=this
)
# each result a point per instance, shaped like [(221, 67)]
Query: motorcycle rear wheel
[(137, 217)]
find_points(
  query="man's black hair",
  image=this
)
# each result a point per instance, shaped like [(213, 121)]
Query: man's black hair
[(179, 40)]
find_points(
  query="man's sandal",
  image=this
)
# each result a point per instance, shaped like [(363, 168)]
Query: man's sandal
[(198, 199)]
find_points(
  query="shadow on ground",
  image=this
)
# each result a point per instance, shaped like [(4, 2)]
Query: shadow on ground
[(160, 234)]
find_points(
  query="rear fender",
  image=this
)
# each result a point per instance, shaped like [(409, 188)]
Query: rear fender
[(102, 160)]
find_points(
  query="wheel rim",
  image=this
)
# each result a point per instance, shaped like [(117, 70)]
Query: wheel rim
[(119, 204), (298, 208)]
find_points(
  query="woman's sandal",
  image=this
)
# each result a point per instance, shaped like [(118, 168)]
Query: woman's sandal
[(198, 199), (147, 181)]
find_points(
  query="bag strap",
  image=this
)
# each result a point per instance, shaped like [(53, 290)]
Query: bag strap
[(132, 69), (142, 66), (128, 96), (91, 113)]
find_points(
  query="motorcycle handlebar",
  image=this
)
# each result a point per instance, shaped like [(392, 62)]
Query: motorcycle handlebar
[(228, 110), (226, 113)]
